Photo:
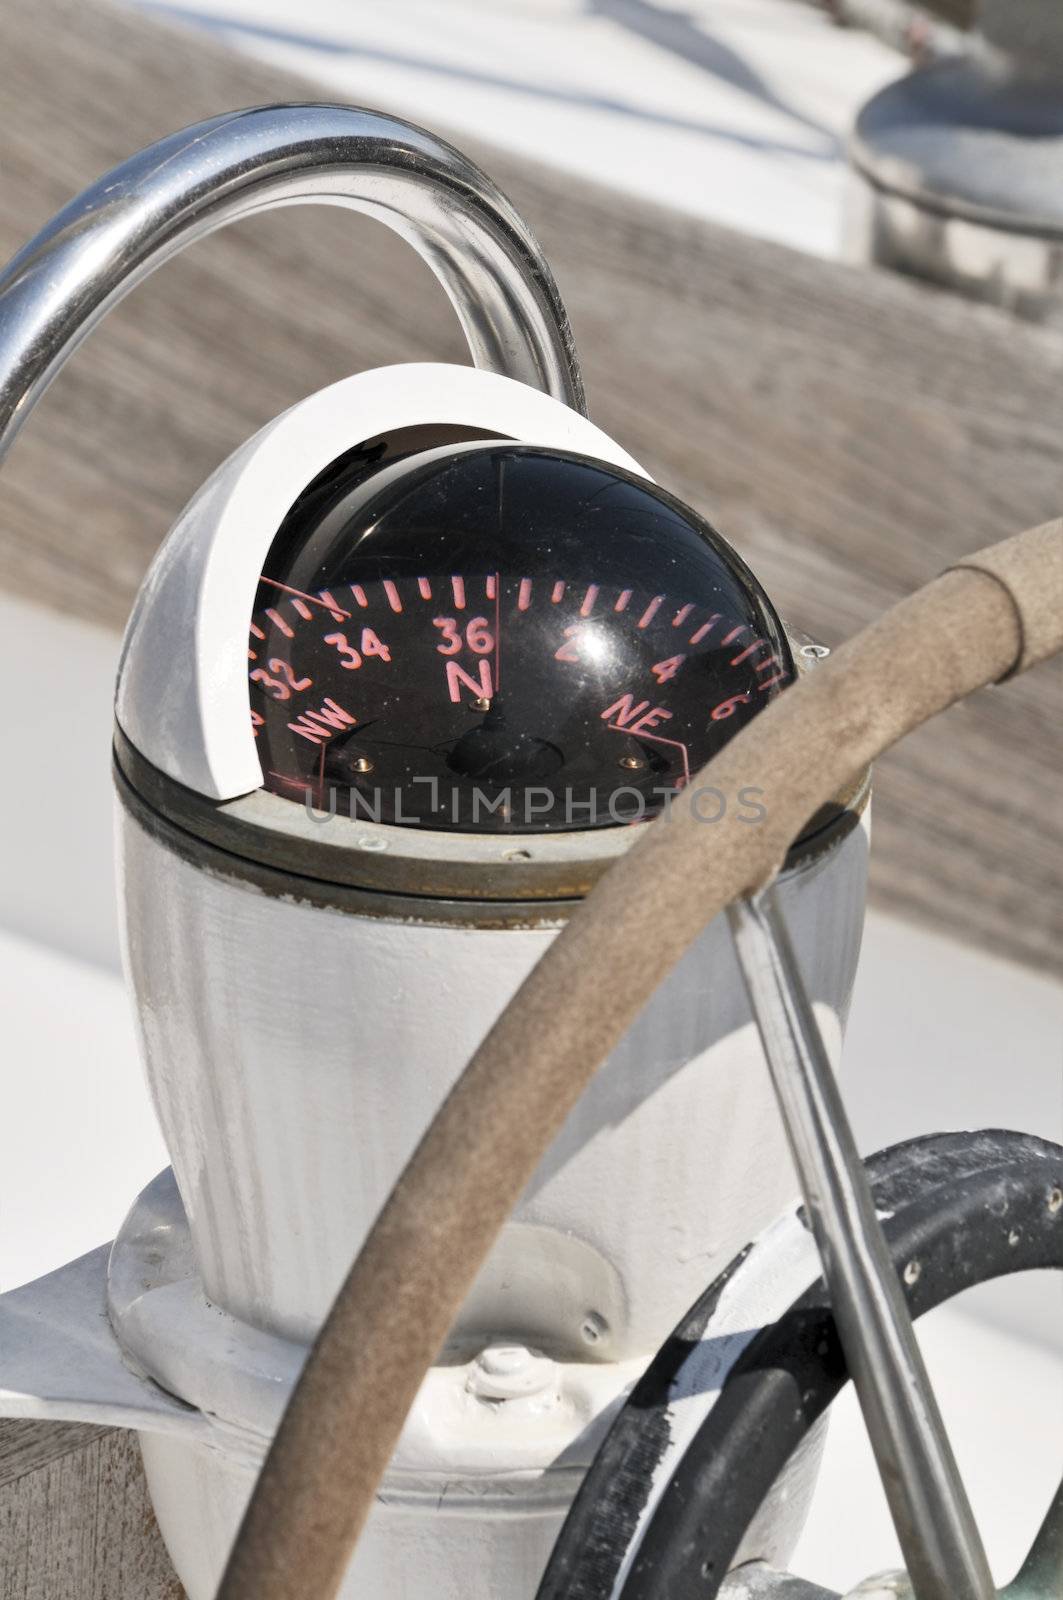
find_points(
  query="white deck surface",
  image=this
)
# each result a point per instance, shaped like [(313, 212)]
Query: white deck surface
[(736, 110), (732, 109)]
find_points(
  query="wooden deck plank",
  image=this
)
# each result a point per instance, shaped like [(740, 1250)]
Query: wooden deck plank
[(75, 1519), (851, 433)]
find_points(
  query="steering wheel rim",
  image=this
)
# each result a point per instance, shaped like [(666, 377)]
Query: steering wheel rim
[(959, 1209)]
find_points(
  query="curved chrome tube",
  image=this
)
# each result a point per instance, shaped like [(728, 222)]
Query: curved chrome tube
[(148, 209)]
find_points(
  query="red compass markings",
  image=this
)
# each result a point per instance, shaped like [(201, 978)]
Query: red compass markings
[(524, 594), (317, 789), (780, 677), (319, 726), (252, 656), (588, 600), (491, 585), (313, 599), (558, 592), (279, 622), (735, 633), (748, 651), (681, 615), (393, 594), (725, 709), (424, 588), (457, 675), (651, 611), (658, 738), (303, 609), (257, 631), (494, 593), (328, 601), (359, 594), (622, 601), (631, 718), (706, 627), (457, 584)]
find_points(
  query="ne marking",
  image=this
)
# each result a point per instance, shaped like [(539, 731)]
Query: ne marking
[(524, 594), (588, 600), (682, 615), (622, 602), (393, 594), (424, 588), (628, 716), (359, 594), (458, 586), (257, 631), (491, 585), (735, 633), (651, 611), (558, 592)]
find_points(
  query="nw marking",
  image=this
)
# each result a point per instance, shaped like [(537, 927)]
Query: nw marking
[(319, 726)]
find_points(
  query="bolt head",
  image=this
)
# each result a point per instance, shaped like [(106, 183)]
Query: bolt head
[(503, 1360), (510, 1372)]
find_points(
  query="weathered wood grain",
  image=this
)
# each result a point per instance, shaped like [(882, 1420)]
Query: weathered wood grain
[(851, 433), (962, 13), (75, 1519), (26, 1447)]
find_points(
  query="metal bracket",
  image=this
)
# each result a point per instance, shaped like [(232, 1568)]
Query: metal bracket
[(928, 1503)]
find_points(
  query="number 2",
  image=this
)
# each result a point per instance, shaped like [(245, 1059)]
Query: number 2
[(568, 651)]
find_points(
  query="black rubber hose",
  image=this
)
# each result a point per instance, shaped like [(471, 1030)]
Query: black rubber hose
[(966, 1208)]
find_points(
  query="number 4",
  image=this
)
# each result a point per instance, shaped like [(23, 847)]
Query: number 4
[(667, 669), (372, 646)]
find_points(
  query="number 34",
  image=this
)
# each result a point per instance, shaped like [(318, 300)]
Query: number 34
[(371, 645)]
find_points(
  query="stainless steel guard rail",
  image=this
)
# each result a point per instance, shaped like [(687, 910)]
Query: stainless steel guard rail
[(149, 209)]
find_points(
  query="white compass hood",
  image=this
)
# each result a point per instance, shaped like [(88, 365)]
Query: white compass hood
[(182, 695)]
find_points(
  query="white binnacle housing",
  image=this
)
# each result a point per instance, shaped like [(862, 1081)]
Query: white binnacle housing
[(193, 724), (296, 1055), (297, 1050)]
